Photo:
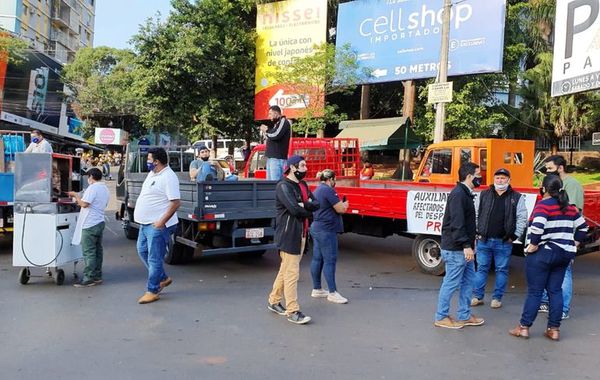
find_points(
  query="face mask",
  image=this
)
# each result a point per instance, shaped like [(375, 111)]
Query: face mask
[(150, 166), (35, 140), (299, 175), (204, 158), (542, 192), (476, 182), (554, 172), (501, 187), (333, 183)]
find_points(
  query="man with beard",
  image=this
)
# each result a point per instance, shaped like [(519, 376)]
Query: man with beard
[(201, 169)]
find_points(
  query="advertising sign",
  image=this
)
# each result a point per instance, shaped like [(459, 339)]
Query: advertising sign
[(110, 136), (287, 30), (32, 93), (425, 210), (401, 39), (439, 93), (576, 47)]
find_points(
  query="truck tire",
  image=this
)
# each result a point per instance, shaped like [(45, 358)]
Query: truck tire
[(178, 253), (427, 252), (131, 233)]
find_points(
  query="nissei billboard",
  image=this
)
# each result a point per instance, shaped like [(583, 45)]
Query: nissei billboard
[(401, 39)]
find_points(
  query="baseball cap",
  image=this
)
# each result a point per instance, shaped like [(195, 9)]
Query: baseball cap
[(200, 147), (294, 160), (502, 171)]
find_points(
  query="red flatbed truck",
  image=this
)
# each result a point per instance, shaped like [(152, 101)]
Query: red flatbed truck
[(415, 209)]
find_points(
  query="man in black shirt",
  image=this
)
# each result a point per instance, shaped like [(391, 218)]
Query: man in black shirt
[(502, 220), (278, 141)]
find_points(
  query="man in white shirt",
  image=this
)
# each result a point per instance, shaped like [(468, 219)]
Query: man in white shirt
[(38, 143), (155, 212), (90, 227)]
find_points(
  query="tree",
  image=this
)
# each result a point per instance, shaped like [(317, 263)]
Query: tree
[(195, 71), (325, 72), (101, 81), (11, 48)]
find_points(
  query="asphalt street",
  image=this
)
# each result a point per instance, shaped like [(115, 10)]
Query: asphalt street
[(212, 323)]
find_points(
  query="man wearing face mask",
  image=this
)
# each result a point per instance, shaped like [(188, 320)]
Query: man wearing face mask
[(502, 220), (295, 204), (200, 168), (458, 241), (278, 141), (38, 143), (155, 211)]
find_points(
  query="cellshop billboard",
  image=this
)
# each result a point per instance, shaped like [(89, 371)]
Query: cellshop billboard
[(401, 39)]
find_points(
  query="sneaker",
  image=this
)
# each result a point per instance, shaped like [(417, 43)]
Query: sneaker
[(476, 301), (447, 323), (148, 297), (496, 304), (85, 284), (543, 308), (298, 318), (98, 281), (472, 321), (277, 308), (163, 284), (565, 315), (319, 293), (336, 297)]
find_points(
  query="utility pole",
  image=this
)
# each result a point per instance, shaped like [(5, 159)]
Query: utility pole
[(440, 115)]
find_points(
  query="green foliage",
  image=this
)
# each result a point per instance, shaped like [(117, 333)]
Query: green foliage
[(195, 71), (315, 76), (12, 47), (101, 81)]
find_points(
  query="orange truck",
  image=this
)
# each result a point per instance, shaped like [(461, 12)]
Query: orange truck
[(415, 209)]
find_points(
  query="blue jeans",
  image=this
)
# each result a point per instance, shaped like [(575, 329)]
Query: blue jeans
[(325, 249), (460, 274), (500, 251), (152, 247), (275, 169), (567, 290), (545, 269)]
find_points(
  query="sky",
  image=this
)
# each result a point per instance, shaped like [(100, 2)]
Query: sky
[(118, 20)]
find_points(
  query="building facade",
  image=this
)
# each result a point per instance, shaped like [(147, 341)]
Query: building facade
[(56, 27)]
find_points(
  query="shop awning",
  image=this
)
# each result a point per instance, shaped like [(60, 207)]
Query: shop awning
[(381, 134)]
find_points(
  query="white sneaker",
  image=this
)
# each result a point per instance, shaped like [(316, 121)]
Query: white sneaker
[(319, 293), (336, 297)]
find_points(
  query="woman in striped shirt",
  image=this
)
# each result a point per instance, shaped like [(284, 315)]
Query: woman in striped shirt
[(555, 230)]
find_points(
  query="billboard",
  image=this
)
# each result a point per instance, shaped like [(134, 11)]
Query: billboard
[(401, 39), (576, 47), (286, 30), (110, 136), (32, 93)]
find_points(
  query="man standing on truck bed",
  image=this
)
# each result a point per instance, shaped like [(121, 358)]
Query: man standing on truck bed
[(155, 211), (557, 165), (502, 220), (278, 141), (295, 204), (458, 240)]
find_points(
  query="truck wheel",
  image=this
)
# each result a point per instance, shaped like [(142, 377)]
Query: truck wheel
[(59, 277), (131, 233), (427, 252), (24, 275)]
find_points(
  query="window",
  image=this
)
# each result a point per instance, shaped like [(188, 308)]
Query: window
[(465, 156), (438, 162), (483, 159), (518, 158), (507, 157)]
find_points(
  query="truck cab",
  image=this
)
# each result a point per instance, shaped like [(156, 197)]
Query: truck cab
[(442, 160)]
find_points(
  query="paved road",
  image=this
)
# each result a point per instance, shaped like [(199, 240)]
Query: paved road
[(212, 323)]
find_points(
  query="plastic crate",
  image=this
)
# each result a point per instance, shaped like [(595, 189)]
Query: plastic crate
[(7, 181)]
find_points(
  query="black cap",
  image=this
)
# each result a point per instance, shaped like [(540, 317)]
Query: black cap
[(502, 171)]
